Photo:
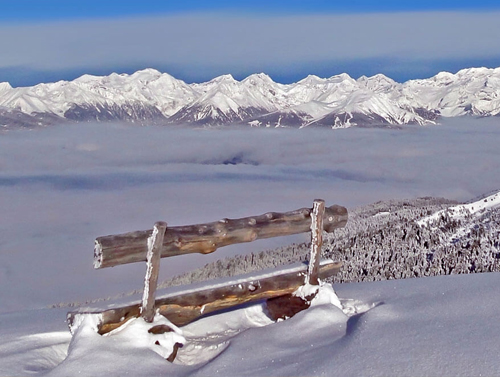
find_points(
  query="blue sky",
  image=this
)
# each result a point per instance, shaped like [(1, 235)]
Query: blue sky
[(195, 41), (63, 9)]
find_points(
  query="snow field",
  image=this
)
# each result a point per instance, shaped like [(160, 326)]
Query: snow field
[(431, 326)]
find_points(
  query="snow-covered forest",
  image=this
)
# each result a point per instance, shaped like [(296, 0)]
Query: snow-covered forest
[(387, 240)]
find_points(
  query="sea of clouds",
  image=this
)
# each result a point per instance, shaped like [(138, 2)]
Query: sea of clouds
[(62, 187)]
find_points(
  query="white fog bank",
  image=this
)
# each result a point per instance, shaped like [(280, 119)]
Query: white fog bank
[(62, 187)]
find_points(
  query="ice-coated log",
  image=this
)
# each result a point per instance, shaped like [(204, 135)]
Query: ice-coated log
[(186, 307), (317, 215), (205, 238), (155, 243)]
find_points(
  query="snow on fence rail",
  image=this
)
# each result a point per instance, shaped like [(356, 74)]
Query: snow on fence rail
[(206, 238), (162, 241)]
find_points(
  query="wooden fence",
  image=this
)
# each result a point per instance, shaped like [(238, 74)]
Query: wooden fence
[(162, 241)]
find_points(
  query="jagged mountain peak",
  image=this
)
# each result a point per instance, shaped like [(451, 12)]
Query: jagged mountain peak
[(475, 71), (443, 76), (88, 78), (149, 96), (379, 77), (471, 91), (225, 99), (144, 76), (205, 87), (312, 79), (377, 83), (462, 76), (148, 71), (341, 77), (227, 78), (258, 79), (4, 86)]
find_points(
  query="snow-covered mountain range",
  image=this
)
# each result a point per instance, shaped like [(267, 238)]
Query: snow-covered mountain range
[(151, 97)]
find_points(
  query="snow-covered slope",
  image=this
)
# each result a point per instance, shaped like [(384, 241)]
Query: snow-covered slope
[(474, 225), (144, 95), (13, 119), (462, 211), (368, 108), (227, 100), (473, 91), (340, 102), (149, 96), (443, 325), (4, 87)]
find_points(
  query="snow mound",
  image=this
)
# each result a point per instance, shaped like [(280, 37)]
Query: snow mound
[(202, 341)]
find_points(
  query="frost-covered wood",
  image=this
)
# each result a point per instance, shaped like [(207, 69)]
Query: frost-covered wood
[(187, 307), (317, 215), (205, 238), (155, 243)]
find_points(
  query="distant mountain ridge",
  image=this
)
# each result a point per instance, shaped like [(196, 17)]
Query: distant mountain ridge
[(151, 97)]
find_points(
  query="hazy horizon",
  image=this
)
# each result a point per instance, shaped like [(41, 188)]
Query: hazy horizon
[(288, 40)]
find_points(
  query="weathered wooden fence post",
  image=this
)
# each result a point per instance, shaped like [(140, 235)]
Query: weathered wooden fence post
[(317, 214), (155, 244)]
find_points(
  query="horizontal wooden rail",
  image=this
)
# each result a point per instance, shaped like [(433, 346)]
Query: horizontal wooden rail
[(205, 238), (186, 307)]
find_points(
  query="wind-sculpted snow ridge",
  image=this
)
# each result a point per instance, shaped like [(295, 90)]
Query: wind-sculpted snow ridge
[(392, 240), (149, 97)]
